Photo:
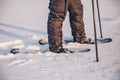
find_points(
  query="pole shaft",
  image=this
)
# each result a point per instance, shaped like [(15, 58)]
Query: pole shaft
[(101, 35), (95, 33)]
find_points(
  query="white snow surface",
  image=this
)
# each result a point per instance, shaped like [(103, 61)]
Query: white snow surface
[(23, 23)]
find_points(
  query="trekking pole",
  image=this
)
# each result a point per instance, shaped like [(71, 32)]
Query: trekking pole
[(101, 36), (95, 33), (102, 40)]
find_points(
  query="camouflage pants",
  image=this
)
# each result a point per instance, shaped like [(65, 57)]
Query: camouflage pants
[(58, 10)]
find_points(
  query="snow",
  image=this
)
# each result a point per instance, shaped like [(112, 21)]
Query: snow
[(22, 27)]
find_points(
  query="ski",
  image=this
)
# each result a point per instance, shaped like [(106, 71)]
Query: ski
[(101, 40), (45, 42), (66, 50)]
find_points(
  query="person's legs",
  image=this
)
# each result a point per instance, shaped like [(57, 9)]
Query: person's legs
[(76, 20), (55, 20)]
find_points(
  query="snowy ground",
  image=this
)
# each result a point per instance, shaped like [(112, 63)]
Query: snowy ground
[(23, 29)]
